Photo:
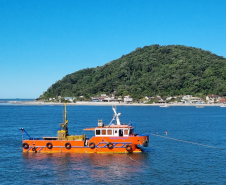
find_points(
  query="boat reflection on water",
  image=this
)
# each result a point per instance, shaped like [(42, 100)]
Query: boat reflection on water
[(94, 166)]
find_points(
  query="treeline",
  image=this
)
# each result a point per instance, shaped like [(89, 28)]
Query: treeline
[(149, 71)]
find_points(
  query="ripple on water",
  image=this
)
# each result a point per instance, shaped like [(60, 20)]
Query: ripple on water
[(165, 161)]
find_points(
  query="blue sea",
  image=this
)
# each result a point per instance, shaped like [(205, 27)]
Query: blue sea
[(192, 152)]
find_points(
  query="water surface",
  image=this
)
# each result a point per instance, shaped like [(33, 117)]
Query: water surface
[(165, 161)]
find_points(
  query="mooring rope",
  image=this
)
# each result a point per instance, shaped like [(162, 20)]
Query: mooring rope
[(186, 141), (127, 155)]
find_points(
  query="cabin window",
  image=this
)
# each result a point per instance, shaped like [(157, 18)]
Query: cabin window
[(131, 132), (97, 132), (126, 132), (120, 132), (116, 131), (109, 132), (103, 132)]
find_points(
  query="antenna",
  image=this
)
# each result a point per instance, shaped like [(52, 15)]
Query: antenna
[(116, 116)]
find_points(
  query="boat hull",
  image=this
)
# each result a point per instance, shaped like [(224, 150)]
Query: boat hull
[(99, 145)]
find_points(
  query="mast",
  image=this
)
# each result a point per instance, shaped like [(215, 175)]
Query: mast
[(63, 127), (65, 120), (65, 115)]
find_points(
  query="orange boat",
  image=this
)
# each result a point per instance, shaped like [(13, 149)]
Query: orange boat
[(112, 138)]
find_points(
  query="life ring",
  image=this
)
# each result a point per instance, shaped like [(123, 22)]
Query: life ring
[(34, 150), (110, 145), (49, 145), (92, 145), (68, 145), (25, 145), (129, 148), (145, 144)]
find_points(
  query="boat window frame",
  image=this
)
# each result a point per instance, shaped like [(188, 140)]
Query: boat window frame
[(114, 132), (109, 130), (103, 132), (127, 129), (122, 132), (96, 132)]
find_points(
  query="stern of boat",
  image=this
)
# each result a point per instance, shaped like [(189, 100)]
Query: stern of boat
[(142, 140)]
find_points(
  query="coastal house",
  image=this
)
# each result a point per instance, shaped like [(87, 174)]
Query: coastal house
[(95, 99), (169, 98), (70, 99), (221, 100), (128, 99), (161, 101), (115, 100), (101, 98), (147, 98), (212, 98), (52, 99), (195, 100), (104, 98), (190, 99), (158, 97), (119, 99), (107, 99), (186, 98)]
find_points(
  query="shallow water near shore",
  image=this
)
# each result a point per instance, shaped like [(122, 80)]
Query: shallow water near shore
[(165, 161)]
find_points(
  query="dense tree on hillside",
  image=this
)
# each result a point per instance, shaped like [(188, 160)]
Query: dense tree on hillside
[(149, 71)]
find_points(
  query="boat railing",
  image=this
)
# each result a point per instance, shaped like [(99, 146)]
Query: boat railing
[(114, 144)]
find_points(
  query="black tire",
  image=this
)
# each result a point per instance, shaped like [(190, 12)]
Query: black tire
[(145, 144), (49, 145), (68, 145), (129, 148), (25, 145), (110, 146), (92, 145)]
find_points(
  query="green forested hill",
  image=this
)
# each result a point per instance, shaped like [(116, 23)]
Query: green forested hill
[(148, 71)]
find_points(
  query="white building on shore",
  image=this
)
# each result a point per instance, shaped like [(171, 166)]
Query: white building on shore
[(128, 99)]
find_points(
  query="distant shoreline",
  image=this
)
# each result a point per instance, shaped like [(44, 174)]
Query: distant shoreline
[(104, 104)]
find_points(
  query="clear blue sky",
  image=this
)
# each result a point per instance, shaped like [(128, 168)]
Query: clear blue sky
[(41, 41)]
